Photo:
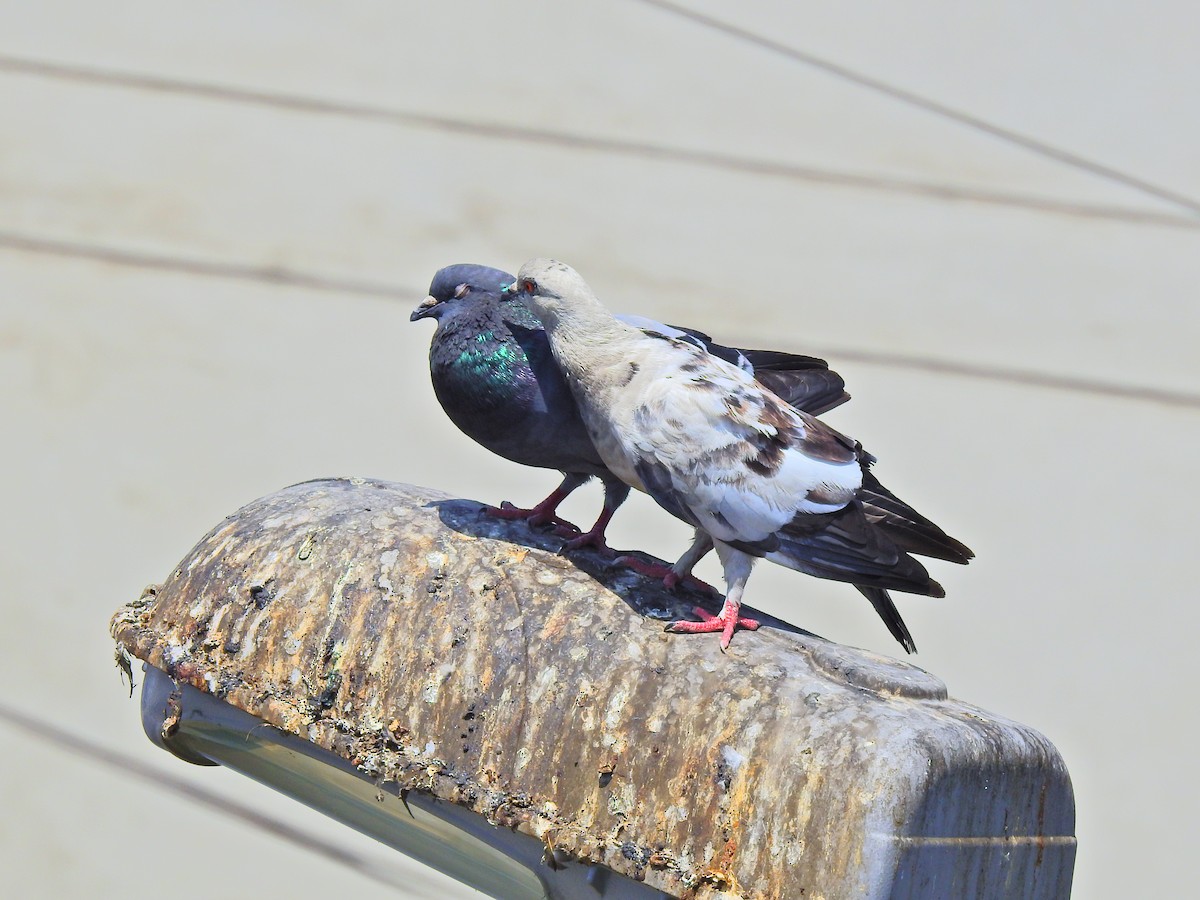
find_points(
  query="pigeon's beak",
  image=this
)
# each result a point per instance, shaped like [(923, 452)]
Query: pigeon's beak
[(424, 308), (508, 293)]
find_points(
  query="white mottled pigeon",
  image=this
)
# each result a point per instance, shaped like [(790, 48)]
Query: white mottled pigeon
[(754, 476)]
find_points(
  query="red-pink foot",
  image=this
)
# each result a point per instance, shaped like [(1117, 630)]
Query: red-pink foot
[(726, 623), (534, 517), (594, 539), (670, 578)]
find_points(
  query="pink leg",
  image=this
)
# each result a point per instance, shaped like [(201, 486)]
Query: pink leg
[(670, 578), (726, 623), (681, 572), (737, 565), (594, 537), (615, 492), (545, 512)]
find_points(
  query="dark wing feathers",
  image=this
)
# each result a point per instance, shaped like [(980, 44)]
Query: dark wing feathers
[(778, 361), (814, 391)]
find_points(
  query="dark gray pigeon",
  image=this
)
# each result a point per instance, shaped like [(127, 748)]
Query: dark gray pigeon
[(495, 377)]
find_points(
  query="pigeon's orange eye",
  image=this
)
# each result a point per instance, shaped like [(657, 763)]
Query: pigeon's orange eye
[(528, 287)]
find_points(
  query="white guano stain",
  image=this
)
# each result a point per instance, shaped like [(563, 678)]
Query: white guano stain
[(433, 684), (523, 757), (574, 589), (387, 561), (731, 757), (612, 718), (545, 682)]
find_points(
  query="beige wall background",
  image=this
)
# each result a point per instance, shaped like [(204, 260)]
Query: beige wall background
[(215, 220)]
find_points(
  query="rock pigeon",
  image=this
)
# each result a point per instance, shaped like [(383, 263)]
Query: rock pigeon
[(755, 476), (497, 380)]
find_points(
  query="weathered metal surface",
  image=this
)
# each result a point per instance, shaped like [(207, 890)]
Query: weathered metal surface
[(459, 655), (499, 862)]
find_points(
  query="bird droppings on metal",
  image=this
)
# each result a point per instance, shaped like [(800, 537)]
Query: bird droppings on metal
[(476, 679), (306, 547), (174, 654), (577, 653), (731, 758), (575, 587)]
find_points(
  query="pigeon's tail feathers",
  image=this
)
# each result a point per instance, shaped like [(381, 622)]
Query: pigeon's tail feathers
[(905, 526), (825, 557), (845, 546), (882, 601)]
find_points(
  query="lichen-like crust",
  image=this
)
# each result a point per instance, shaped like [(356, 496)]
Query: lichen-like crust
[(458, 654)]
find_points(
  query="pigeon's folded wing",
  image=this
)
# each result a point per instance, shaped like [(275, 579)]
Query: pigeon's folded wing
[(726, 455), (805, 382)]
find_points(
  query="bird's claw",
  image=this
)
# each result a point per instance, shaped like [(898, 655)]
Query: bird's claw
[(593, 539), (726, 623), (533, 517)]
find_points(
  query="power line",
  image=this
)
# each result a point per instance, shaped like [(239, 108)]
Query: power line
[(1049, 380), (1014, 137), (73, 742), (581, 142), (275, 275), (281, 277)]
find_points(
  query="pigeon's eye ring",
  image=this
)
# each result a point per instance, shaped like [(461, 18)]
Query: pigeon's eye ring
[(528, 287), (461, 291)]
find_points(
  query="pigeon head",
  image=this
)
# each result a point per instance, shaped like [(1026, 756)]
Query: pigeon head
[(455, 287), (554, 291)]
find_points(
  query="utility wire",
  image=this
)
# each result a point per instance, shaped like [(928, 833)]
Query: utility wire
[(278, 276), (72, 742), (1014, 137), (275, 275), (725, 162), (1049, 380)]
